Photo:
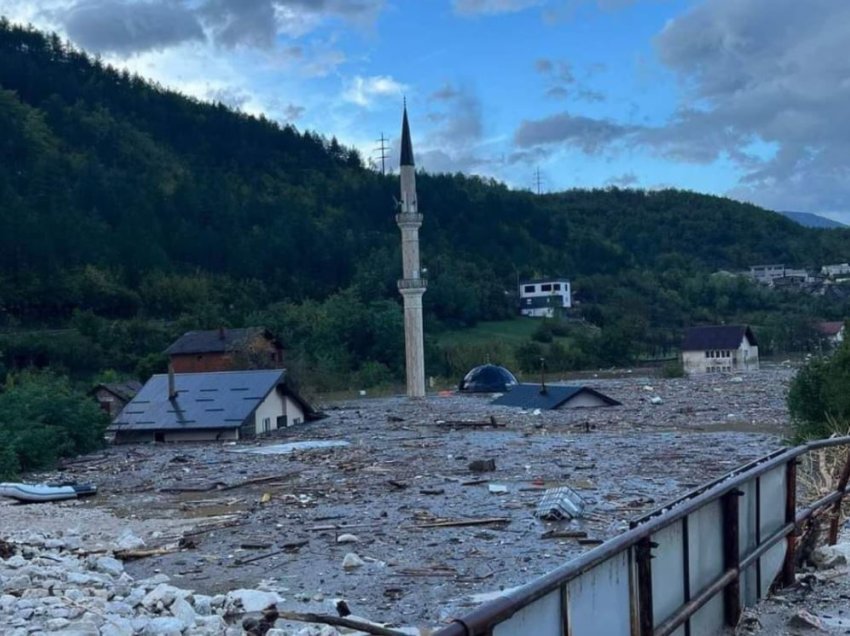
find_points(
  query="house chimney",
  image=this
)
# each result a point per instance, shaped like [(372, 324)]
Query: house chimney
[(543, 376), (221, 334), (172, 387)]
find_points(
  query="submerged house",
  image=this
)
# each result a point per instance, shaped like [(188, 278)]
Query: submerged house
[(554, 396), (114, 396), (831, 332), (227, 405), (721, 348), (224, 350)]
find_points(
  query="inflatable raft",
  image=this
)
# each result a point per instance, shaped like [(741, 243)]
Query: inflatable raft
[(34, 493)]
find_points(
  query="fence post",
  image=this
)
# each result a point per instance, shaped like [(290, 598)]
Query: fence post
[(643, 557), (789, 566), (832, 538), (732, 556)]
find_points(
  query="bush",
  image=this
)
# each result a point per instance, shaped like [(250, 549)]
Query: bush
[(818, 399), (673, 369), (42, 419)]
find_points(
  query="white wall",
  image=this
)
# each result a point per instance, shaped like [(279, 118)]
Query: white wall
[(272, 407)]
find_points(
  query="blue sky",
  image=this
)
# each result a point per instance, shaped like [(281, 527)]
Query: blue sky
[(745, 98)]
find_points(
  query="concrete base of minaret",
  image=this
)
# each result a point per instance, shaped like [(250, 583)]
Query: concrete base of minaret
[(414, 346)]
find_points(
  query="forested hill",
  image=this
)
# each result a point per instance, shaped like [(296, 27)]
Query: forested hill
[(129, 201)]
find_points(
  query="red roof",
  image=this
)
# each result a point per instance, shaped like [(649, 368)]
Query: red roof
[(830, 328)]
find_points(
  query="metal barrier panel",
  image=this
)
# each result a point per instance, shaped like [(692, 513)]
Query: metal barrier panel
[(706, 564), (599, 601), (771, 518), (543, 617), (748, 539), (668, 574)]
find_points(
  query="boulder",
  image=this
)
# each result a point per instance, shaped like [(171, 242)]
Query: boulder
[(239, 601), (831, 556), (352, 561), (164, 626)]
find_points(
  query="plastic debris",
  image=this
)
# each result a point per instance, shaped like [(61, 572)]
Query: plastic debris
[(560, 503)]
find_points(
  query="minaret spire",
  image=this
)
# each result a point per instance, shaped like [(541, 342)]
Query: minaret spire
[(412, 285)]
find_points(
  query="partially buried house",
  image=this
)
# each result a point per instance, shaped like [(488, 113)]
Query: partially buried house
[(227, 405), (554, 396), (114, 396), (720, 348), (224, 350)]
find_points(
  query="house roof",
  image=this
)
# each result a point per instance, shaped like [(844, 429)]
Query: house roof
[(830, 328), (535, 281), (220, 400), (528, 396), (124, 390), (717, 337), (214, 340)]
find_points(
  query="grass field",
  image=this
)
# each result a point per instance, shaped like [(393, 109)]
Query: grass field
[(511, 332)]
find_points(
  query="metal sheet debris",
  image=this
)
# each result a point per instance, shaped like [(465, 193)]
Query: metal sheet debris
[(560, 503)]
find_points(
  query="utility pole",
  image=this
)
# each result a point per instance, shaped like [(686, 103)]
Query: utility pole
[(538, 180), (382, 150)]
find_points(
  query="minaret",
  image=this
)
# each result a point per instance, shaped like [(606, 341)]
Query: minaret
[(412, 285)]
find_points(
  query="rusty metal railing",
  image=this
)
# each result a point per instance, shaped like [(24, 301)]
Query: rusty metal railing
[(687, 568)]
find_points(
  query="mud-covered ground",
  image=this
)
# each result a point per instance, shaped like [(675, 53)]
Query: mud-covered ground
[(403, 470)]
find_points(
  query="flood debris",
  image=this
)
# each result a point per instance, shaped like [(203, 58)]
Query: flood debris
[(338, 621), (560, 503), (488, 423), (352, 561), (482, 465), (347, 538), (497, 489), (291, 447)]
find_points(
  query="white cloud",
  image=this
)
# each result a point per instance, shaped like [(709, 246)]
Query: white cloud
[(492, 7), (363, 91)]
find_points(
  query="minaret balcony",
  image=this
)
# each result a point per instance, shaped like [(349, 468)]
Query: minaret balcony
[(412, 283), (408, 218)]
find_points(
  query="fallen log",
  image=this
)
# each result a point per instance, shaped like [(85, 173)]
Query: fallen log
[(257, 480), (130, 555), (337, 621), (489, 423), (454, 523)]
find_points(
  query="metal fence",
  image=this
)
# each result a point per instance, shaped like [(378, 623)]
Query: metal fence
[(687, 568)]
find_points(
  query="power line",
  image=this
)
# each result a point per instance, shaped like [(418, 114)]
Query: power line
[(382, 152)]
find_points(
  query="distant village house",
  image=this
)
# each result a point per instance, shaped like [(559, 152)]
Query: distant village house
[(719, 349), (831, 332), (228, 405), (544, 298), (225, 350), (765, 274), (114, 396), (841, 269)]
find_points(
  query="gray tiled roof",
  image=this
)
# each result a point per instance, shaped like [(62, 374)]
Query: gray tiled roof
[(213, 341), (717, 337), (219, 400), (528, 396), (124, 390)]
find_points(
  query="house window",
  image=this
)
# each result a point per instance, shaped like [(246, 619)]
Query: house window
[(556, 286), (528, 289), (546, 288), (706, 354)]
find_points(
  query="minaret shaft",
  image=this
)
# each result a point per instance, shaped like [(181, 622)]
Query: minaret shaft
[(412, 285)]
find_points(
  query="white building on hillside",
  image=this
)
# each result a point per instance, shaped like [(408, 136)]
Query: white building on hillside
[(544, 298)]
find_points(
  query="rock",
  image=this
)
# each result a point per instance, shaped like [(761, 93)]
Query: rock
[(54, 544), (129, 541), (203, 604), (117, 626), (347, 538), (15, 562), (238, 601), (831, 556), (806, 620), (352, 561), (18, 584), (182, 610), (80, 628), (55, 624), (655, 399), (162, 593), (110, 566), (164, 626), (497, 489)]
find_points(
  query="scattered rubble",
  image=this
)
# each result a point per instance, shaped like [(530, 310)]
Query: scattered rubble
[(404, 488)]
